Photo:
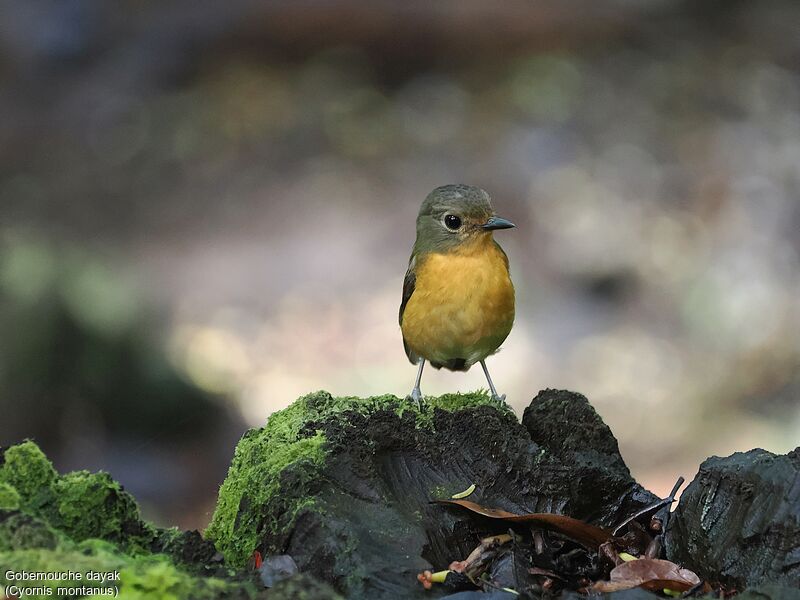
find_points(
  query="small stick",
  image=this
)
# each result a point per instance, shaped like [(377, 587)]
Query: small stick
[(662, 516), (485, 580), (650, 509)]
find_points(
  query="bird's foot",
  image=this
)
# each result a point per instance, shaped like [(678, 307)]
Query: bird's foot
[(501, 400), (416, 397)]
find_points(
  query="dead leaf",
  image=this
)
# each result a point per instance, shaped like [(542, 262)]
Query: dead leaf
[(588, 535), (648, 573)]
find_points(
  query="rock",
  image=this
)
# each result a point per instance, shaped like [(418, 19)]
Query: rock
[(276, 569), (738, 522), (343, 485)]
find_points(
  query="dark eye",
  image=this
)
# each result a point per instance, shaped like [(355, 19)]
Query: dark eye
[(452, 222)]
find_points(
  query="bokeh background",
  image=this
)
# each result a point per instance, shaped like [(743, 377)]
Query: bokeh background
[(206, 211)]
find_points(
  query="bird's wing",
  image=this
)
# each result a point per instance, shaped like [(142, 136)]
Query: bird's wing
[(409, 284)]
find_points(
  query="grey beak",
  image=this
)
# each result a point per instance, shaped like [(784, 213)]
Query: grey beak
[(497, 223)]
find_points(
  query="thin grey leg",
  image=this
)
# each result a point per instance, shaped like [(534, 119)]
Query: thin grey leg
[(495, 395), (416, 394)]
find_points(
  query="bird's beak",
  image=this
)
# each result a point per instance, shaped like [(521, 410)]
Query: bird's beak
[(497, 223)]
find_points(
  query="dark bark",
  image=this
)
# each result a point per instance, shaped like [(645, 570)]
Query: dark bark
[(738, 522)]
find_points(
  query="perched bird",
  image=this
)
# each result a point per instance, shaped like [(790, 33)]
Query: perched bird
[(458, 299)]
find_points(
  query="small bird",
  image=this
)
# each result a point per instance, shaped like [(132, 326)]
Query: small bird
[(458, 299)]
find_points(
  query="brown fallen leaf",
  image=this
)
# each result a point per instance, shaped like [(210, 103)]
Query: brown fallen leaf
[(590, 536), (648, 573)]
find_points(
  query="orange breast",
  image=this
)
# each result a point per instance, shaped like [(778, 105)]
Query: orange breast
[(462, 305)]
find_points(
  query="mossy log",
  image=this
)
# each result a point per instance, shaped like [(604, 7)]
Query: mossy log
[(344, 485)]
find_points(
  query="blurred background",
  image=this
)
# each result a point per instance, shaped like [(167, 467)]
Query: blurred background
[(206, 211)]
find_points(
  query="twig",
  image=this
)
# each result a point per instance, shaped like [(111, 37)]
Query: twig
[(485, 581), (647, 510)]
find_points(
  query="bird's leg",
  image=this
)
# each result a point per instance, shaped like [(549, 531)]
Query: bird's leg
[(416, 394), (495, 395)]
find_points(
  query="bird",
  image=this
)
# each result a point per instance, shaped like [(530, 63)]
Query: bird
[(458, 299)]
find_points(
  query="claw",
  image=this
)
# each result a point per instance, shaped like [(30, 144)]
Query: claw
[(416, 396)]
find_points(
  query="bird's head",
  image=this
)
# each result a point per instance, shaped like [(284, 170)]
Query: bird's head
[(454, 215)]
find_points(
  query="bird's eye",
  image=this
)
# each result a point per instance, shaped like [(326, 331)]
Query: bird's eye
[(452, 222)]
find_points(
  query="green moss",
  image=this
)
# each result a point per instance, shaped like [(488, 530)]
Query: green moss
[(27, 469), (254, 478), (9, 497), (290, 442), (260, 458), (321, 405), (93, 505), (455, 402), (81, 505), (458, 401), (139, 577), (154, 578), (19, 531)]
